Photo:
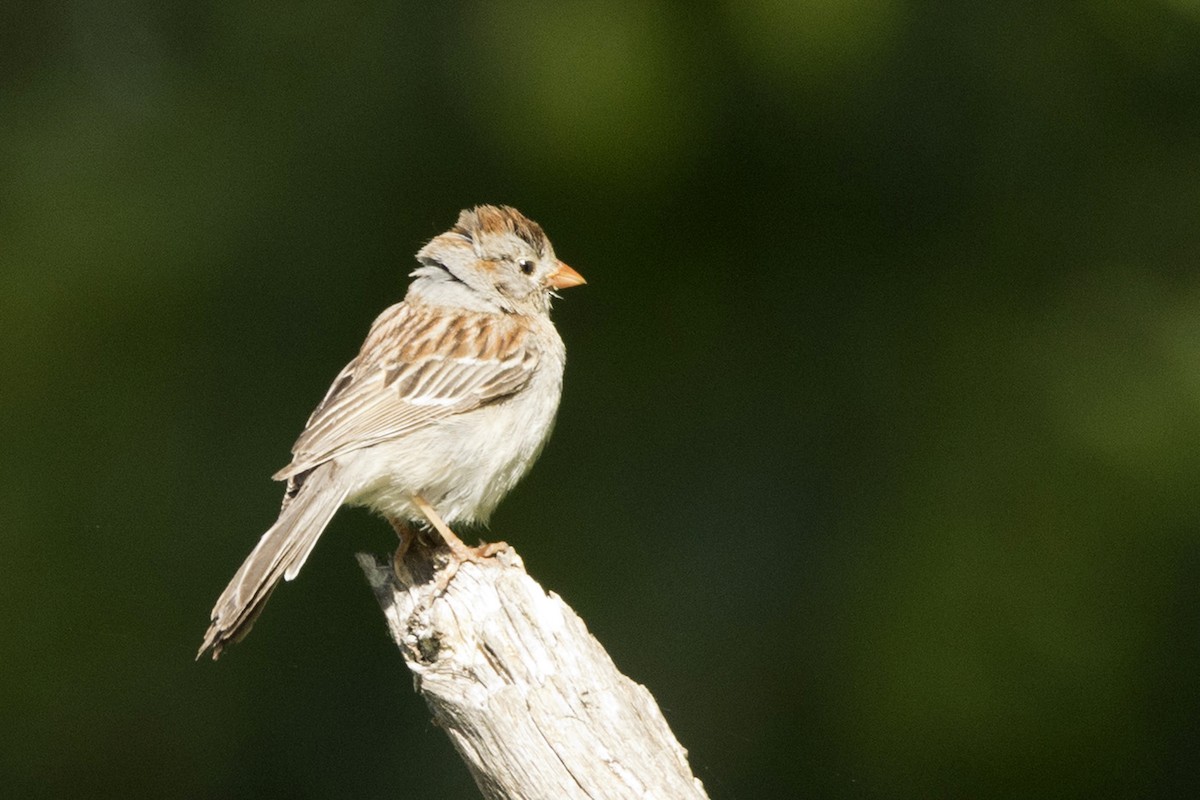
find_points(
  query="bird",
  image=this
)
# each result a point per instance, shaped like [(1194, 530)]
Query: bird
[(447, 405)]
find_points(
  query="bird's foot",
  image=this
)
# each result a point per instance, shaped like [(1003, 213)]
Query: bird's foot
[(476, 555), (459, 553)]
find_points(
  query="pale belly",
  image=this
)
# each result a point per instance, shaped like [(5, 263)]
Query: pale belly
[(463, 465)]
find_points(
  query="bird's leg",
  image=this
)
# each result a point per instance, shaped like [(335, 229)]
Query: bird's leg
[(459, 550), (406, 534)]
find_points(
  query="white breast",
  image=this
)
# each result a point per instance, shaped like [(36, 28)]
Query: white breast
[(465, 464)]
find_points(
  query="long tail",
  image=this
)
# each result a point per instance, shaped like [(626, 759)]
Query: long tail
[(280, 553)]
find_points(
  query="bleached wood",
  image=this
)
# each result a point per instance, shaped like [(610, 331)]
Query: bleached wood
[(531, 701)]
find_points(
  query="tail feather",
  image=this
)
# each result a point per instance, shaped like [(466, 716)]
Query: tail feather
[(279, 554)]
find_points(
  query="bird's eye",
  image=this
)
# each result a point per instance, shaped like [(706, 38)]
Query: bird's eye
[(526, 266)]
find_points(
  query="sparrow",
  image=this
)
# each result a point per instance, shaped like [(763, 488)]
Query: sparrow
[(446, 406)]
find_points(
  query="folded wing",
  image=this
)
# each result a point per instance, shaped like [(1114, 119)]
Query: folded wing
[(418, 365)]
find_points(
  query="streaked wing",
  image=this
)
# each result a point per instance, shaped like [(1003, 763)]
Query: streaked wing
[(417, 366)]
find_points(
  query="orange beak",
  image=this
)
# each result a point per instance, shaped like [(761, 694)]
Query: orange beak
[(564, 277)]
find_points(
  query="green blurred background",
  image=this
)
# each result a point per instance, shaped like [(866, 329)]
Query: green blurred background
[(879, 452)]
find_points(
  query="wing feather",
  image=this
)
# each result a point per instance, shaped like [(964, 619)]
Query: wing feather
[(418, 365)]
